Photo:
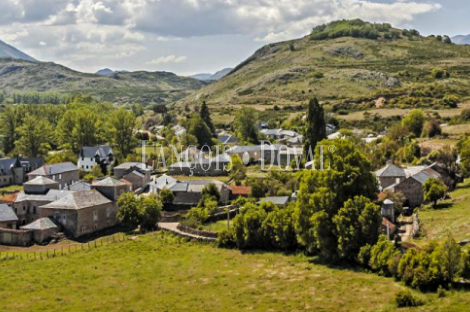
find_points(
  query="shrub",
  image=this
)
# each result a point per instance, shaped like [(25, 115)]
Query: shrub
[(225, 240), (404, 298), (441, 292)]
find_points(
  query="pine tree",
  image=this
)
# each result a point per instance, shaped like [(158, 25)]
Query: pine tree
[(206, 117), (315, 128)]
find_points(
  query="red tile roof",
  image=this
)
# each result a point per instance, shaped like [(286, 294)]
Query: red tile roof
[(241, 190), (9, 199)]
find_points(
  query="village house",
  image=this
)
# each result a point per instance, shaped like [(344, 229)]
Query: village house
[(189, 193), (81, 213), (227, 139), (255, 153), (137, 177), (13, 171), (80, 186), (111, 188), (202, 167), (8, 218), (239, 191), (43, 230), (122, 168), (64, 173), (280, 201), (91, 156), (164, 181), (409, 181)]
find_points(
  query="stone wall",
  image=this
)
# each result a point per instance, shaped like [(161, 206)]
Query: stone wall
[(190, 230), (16, 237)]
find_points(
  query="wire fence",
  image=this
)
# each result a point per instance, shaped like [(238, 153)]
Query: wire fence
[(60, 250)]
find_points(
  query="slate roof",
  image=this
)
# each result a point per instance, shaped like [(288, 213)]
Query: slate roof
[(54, 169), (7, 214), (50, 196), (390, 171), (276, 200), (227, 139), (80, 186), (165, 181), (41, 180), (295, 140), (128, 165), (40, 224), (195, 186), (271, 131), (104, 151), (78, 200), (108, 182), (7, 164), (251, 148), (289, 133)]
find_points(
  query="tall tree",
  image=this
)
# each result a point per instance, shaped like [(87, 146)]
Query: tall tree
[(315, 128), (434, 190), (245, 124), (414, 121), (198, 128), (34, 136), (206, 116), (123, 124), (8, 123)]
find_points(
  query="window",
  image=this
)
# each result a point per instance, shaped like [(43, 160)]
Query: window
[(53, 177), (24, 208), (34, 210), (83, 158), (60, 176), (108, 212), (95, 215)]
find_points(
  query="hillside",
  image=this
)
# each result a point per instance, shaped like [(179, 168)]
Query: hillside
[(216, 76), (7, 51), (143, 87), (333, 64)]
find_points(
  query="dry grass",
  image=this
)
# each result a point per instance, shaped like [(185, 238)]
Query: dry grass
[(457, 130)]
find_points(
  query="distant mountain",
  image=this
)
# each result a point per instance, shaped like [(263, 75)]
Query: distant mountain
[(461, 39), (7, 51), (212, 77), (107, 71), (134, 87)]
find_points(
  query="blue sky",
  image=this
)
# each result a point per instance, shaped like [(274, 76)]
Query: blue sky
[(195, 36)]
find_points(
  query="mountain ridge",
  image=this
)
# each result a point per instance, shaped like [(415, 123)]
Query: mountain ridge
[(8, 51)]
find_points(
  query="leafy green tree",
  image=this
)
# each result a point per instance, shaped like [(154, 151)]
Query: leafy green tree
[(8, 124), (150, 213), (382, 255), (278, 228), (245, 124), (434, 190), (167, 196), (198, 128), (432, 128), (122, 124), (129, 210), (211, 190), (463, 148), (466, 265), (247, 227), (34, 135), (414, 121), (451, 257), (357, 225), (237, 169), (315, 128), (206, 117)]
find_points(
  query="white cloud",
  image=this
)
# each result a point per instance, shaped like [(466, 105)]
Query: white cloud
[(168, 59)]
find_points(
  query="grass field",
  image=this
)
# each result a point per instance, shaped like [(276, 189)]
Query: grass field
[(452, 214), (160, 272), (457, 130)]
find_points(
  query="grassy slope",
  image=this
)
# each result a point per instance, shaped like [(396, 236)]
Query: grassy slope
[(166, 274), (146, 87), (452, 214), (275, 74)]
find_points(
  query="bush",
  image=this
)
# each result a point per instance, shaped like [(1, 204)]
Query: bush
[(226, 240), (404, 298), (441, 292)]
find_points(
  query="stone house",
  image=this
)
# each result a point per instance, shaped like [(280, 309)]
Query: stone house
[(90, 156), (80, 186), (13, 171), (27, 206), (82, 213), (164, 181), (256, 153), (122, 168), (111, 188), (64, 173), (139, 178), (43, 230), (8, 218), (40, 185), (189, 193), (389, 175), (202, 167)]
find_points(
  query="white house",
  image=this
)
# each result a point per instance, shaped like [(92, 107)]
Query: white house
[(91, 156)]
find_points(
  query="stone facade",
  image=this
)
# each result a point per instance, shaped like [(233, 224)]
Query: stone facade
[(16, 237), (15, 170), (64, 173), (413, 191)]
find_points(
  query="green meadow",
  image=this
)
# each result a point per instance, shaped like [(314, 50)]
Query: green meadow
[(161, 272)]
